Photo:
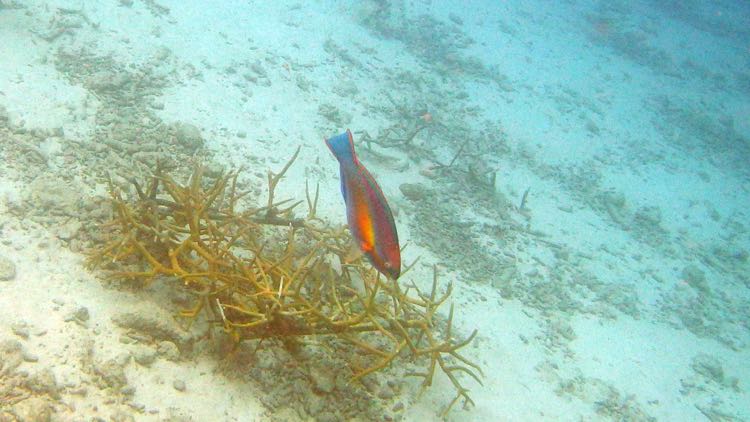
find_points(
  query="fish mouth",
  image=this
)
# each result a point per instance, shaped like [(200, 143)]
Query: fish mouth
[(391, 272)]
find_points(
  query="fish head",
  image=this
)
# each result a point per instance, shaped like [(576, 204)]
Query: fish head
[(392, 270), (387, 261)]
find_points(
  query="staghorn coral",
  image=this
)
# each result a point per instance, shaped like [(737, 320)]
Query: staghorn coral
[(262, 274)]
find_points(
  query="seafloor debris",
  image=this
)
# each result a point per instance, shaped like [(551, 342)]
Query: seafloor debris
[(263, 274), (7, 269)]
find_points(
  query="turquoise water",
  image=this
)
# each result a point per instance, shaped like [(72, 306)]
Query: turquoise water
[(577, 170)]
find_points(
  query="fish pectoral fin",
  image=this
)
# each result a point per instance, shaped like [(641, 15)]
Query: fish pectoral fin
[(353, 254), (336, 266)]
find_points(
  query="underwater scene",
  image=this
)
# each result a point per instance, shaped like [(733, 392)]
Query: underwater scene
[(375, 210)]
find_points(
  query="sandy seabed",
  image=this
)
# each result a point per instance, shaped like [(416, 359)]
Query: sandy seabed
[(593, 222)]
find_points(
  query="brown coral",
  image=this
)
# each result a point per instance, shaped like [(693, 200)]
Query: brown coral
[(262, 274)]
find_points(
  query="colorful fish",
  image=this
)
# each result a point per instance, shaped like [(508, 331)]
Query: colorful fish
[(367, 212)]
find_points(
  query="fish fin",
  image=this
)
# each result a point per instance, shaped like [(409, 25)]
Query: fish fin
[(336, 266), (342, 147), (353, 254)]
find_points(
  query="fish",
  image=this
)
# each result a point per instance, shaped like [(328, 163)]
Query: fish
[(368, 215)]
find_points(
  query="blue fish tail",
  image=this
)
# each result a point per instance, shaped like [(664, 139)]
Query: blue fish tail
[(342, 147)]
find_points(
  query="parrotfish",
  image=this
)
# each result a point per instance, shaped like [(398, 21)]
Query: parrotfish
[(367, 212)]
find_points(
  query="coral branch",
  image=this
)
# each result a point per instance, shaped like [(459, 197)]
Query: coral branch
[(262, 273)]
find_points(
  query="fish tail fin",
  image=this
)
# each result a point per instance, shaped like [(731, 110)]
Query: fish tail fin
[(342, 147)]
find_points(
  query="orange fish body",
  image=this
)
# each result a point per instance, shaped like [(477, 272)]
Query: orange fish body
[(368, 214)]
